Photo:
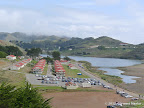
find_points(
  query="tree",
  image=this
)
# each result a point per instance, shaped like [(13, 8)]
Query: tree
[(3, 54), (23, 97), (13, 50), (56, 55), (67, 58), (48, 59), (34, 52), (101, 48), (7, 96), (28, 97)]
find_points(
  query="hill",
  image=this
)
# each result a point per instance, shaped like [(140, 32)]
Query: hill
[(103, 46), (18, 36), (101, 41), (6, 43), (137, 53)]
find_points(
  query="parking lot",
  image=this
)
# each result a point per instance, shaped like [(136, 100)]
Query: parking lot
[(60, 81)]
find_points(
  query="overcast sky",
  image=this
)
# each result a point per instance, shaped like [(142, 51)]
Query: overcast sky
[(119, 19)]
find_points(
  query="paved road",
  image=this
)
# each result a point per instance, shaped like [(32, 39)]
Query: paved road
[(49, 71), (31, 78), (104, 82)]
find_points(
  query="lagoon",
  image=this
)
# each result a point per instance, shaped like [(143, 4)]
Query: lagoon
[(110, 66)]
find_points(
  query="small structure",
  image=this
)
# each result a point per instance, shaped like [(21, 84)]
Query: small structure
[(70, 49), (11, 57), (63, 61), (79, 73), (21, 57), (71, 66), (86, 84), (124, 44), (15, 67), (70, 85)]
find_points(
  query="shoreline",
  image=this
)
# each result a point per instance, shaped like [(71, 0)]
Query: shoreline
[(138, 71), (105, 57), (133, 87)]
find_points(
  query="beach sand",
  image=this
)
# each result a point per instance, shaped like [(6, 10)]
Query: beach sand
[(136, 70)]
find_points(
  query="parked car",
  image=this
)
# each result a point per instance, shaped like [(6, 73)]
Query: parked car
[(128, 96), (37, 75), (123, 94), (134, 98), (109, 106), (120, 92), (42, 81)]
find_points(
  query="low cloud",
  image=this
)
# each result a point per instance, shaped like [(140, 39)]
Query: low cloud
[(76, 23)]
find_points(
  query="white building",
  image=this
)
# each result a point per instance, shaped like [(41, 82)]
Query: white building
[(86, 84), (15, 67), (70, 85), (11, 57), (71, 66)]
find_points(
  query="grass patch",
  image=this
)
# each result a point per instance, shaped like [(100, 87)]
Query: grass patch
[(73, 73), (60, 89), (16, 79), (86, 90), (32, 63), (25, 69), (45, 70)]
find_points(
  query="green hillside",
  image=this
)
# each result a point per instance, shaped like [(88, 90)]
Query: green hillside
[(137, 53), (6, 43)]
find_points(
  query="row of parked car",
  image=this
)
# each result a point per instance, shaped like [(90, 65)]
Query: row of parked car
[(80, 80), (49, 82), (123, 94)]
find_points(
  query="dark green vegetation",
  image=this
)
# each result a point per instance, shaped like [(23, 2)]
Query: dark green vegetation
[(48, 59), (109, 78), (56, 55), (10, 50), (3, 54), (34, 52), (66, 58), (137, 53), (23, 97)]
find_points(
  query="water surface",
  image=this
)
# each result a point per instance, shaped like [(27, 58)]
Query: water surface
[(110, 64)]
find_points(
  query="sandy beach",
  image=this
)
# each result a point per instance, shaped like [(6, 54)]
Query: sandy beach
[(136, 70)]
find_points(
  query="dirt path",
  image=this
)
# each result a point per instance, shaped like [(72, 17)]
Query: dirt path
[(83, 99)]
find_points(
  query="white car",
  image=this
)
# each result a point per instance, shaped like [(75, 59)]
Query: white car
[(37, 75), (128, 96), (120, 92), (106, 86)]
